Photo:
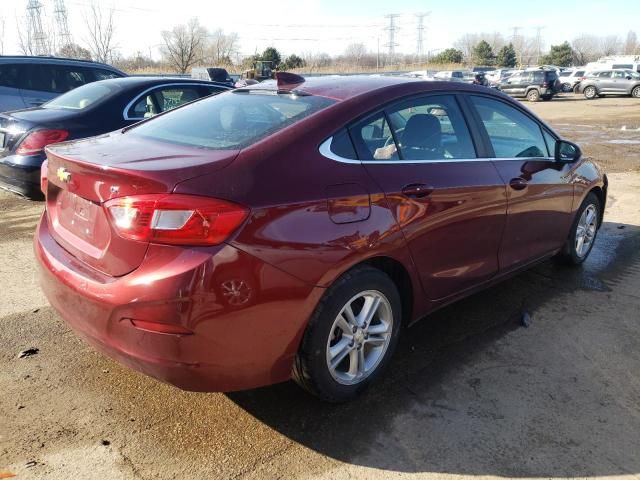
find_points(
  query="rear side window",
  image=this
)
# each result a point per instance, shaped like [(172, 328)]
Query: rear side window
[(511, 132), (231, 120), (342, 146), (9, 76), (605, 75), (101, 74), (579, 73)]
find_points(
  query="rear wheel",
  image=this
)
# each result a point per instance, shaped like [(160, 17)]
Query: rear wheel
[(350, 337), (546, 98), (635, 93), (583, 231), (590, 93), (566, 87), (533, 95)]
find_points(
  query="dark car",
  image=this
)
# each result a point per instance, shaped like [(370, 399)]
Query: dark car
[(532, 85), (89, 110), (292, 229), (610, 82), (27, 81)]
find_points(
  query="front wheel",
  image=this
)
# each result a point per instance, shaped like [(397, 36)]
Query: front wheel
[(583, 231), (350, 337), (590, 93), (635, 93)]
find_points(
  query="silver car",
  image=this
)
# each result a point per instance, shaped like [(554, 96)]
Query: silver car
[(610, 82)]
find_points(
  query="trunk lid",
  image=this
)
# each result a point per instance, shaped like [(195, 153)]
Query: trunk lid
[(82, 175)]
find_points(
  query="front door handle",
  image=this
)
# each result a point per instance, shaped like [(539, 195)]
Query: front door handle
[(518, 183), (417, 190)]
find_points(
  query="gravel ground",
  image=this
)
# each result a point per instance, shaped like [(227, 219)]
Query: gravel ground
[(471, 391)]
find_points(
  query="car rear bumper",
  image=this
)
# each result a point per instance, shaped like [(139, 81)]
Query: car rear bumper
[(20, 177), (237, 341)]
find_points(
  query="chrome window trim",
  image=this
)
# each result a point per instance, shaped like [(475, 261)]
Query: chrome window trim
[(325, 151), (126, 116)]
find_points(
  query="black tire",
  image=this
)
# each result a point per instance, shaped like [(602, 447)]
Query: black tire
[(635, 93), (546, 98), (533, 95), (311, 370), (569, 254), (566, 87), (590, 92)]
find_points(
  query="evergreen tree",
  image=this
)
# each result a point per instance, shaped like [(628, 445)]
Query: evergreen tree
[(483, 54), (560, 55), (507, 57), (450, 55)]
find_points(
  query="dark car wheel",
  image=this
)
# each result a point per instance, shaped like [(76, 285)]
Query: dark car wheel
[(583, 231), (590, 93), (636, 92), (351, 336), (566, 87), (533, 95), (546, 98)]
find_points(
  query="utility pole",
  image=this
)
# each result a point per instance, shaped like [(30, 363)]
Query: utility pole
[(35, 32), (420, 29), (391, 29), (60, 13)]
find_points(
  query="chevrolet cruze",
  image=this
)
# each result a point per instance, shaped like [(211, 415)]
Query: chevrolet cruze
[(292, 229)]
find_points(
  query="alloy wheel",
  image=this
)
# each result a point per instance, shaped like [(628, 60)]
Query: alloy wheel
[(359, 337), (586, 230)]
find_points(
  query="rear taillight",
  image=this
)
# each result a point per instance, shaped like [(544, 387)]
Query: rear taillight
[(175, 219), (37, 140), (43, 176)]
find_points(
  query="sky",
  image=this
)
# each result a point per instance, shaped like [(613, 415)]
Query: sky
[(297, 26)]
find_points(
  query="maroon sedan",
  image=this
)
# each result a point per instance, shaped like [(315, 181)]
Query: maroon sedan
[(292, 228)]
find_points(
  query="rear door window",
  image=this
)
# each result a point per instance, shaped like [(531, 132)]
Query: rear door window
[(102, 74), (605, 74), (512, 133), (162, 99), (373, 139), (56, 78)]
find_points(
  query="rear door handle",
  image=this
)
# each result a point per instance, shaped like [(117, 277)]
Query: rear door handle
[(417, 190), (518, 183)]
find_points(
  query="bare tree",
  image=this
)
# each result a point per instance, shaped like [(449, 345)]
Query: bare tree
[(221, 47), (586, 48), (631, 43), (610, 45), (354, 53), (184, 44), (101, 31)]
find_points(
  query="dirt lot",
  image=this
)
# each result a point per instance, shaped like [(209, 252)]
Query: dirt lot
[(471, 392)]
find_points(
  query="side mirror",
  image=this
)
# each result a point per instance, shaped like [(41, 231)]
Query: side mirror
[(567, 152)]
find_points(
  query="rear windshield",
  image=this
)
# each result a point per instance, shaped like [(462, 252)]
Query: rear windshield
[(81, 97), (230, 120)]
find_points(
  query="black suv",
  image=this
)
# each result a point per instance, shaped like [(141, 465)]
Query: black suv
[(31, 81), (532, 84)]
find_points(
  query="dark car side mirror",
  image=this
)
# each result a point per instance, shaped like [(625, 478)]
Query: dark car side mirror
[(567, 152)]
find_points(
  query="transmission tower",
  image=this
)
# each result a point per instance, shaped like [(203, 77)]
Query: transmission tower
[(392, 29), (517, 45), (539, 43), (35, 33), (420, 28), (60, 13)]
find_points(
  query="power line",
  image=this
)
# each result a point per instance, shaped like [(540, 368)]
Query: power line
[(391, 29)]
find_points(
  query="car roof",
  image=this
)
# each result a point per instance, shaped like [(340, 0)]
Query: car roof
[(348, 87), (128, 82), (50, 59)]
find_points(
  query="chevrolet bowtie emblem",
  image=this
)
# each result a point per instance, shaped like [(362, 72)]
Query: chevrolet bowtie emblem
[(63, 174)]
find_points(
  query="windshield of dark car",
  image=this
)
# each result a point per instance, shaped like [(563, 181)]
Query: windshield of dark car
[(81, 97), (231, 120)]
